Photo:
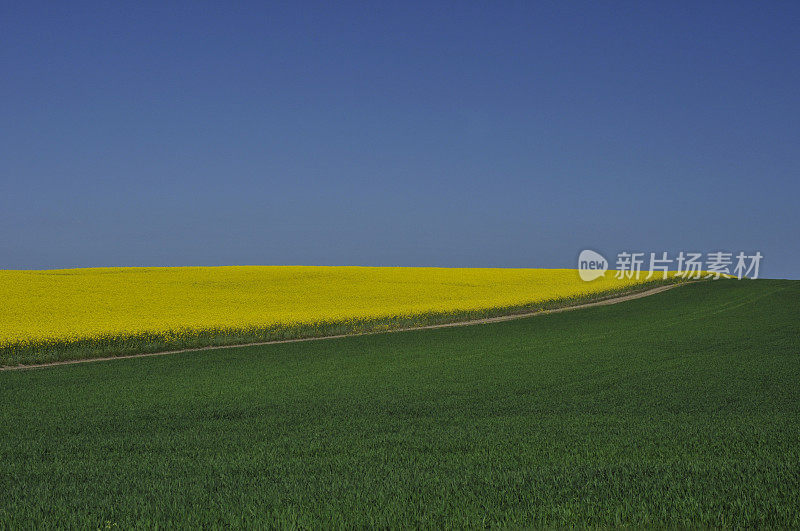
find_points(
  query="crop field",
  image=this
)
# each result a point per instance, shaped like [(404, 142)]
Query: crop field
[(680, 409), (82, 313)]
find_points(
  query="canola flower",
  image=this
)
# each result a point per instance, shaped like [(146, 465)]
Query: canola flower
[(116, 310)]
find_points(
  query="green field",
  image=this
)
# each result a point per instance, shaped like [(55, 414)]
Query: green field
[(681, 408)]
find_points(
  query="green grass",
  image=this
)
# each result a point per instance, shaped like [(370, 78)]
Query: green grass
[(678, 409)]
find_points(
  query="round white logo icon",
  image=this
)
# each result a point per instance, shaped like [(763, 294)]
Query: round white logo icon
[(591, 265)]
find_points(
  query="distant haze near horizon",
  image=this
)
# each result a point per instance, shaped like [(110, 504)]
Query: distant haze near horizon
[(415, 134)]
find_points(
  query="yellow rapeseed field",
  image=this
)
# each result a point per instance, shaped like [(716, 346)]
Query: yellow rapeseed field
[(65, 306)]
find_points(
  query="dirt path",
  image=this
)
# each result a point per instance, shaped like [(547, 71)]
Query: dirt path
[(602, 302)]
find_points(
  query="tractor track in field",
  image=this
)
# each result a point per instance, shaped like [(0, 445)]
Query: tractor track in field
[(486, 320)]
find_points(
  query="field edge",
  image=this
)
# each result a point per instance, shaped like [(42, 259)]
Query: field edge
[(41, 354)]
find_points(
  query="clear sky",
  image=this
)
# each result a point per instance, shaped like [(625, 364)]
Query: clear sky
[(511, 134)]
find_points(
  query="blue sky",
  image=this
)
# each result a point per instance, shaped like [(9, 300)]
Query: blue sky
[(509, 134)]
